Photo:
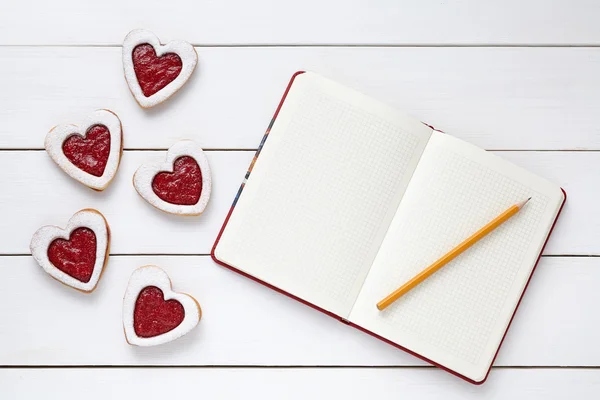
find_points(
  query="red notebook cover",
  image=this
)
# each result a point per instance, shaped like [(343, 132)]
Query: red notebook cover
[(337, 316)]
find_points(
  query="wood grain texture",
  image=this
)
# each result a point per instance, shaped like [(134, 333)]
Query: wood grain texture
[(496, 98), (38, 193), (312, 22), (306, 383), (244, 323)]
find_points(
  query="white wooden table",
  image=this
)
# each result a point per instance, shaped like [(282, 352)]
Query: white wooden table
[(518, 77)]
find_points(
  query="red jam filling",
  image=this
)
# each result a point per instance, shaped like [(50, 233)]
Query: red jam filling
[(182, 186), (153, 315), (154, 73), (89, 154), (75, 257)]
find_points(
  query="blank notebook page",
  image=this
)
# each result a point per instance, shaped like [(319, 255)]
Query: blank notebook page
[(322, 193), (458, 316)]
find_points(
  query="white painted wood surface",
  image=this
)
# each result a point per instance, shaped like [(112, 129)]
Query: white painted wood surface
[(439, 61), (309, 22), (136, 226), (496, 98), (244, 323), (296, 384)]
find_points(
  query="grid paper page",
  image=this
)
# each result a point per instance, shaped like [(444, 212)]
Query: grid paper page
[(322, 194), (457, 316)]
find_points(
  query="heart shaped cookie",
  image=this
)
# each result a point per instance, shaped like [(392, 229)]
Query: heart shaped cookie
[(154, 72), (181, 185), (77, 254), (152, 313), (90, 150)]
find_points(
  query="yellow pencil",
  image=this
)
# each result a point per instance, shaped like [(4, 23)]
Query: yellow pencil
[(451, 255)]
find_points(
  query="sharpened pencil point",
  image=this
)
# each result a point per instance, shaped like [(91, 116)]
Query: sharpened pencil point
[(521, 204)]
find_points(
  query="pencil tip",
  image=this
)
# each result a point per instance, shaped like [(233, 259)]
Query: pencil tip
[(521, 204)]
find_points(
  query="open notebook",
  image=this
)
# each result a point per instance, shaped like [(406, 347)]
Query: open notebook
[(348, 199)]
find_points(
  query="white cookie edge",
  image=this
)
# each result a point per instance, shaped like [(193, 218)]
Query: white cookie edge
[(151, 275), (57, 136), (185, 51), (86, 218), (143, 177)]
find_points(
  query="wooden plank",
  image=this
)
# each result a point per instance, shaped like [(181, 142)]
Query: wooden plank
[(38, 193), (496, 98), (305, 383), (311, 22), (246, 324)]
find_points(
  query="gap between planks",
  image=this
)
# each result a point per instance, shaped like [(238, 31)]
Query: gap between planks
[(297, 367), (208, 255), (241, 149), (341, 45), (8, 149)]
